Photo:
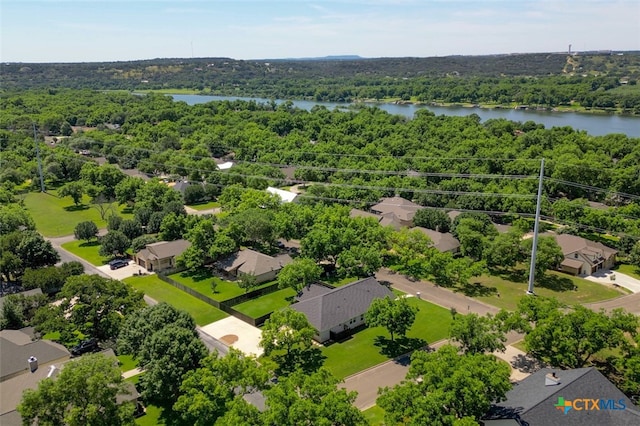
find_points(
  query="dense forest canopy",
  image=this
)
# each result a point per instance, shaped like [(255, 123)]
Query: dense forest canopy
[(603, 81), (355, 156)]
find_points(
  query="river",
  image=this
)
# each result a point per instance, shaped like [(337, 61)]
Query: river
[(594, 124)]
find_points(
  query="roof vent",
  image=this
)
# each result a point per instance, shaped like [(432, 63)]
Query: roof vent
[(52, 370), (551, 379)]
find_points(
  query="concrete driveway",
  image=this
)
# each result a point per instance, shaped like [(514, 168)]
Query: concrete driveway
[(609, 277), (122, 273)]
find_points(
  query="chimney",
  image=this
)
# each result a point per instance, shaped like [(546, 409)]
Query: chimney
[(33, 363), (551, 379)]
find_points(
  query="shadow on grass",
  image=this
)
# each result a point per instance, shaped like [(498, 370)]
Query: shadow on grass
[(399, 346), (556, 283), (90, 244), (516, 276), (75, 208), (476, 290), (197, 276)]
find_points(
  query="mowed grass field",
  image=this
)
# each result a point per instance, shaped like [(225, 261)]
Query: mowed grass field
[(56, 217), (372, 346), (157, 289), (266, 304), (86, 250), (505, 293), (201, 281)]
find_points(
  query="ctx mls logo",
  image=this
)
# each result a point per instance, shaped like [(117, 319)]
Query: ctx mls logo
[(589, 404)]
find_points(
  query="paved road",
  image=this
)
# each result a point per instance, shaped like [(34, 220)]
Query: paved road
[(631, 303), (434, 294), (66, 256)]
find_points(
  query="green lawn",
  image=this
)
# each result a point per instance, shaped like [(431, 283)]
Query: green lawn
[(205, 206), (631, 270), (55, 217), (87, 251), (373, 346), (201, 281), (151, 417), (127, 362), (505, 291), (339, 282), (374, 415), (152, 286), (268, 303)]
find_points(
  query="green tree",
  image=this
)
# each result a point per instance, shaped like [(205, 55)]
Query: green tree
[(75, 190), (300, 273), (166, 357), (84, 393), (310, 399), (49, 279), (14, 217), (113, 244), (247, 282), (173, 227), (207, 391), (434, 219), (569, 340), (35, 252), (451, 387), (286, 338), (478, 334), (141, 242), (359, 261), (126, 190), (130, 228), (86, 230), (505, 251), (548, 256), (193, 194), (396, 315)]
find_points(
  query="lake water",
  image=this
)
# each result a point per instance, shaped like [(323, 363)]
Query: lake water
[(594, 124)]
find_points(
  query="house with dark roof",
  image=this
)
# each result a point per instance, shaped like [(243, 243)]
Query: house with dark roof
[(582, 256), (442, 241), (402, 209), (333, 312), (578, 397), (11, 390), (161, 255), (17, 348), (247, 261), (387, 219)]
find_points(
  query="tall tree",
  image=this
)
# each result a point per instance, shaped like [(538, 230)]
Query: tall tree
[(548, 256), (396, 315), (84, 393), (434, 219), (477, 334), (86, 230), (206, 392), (115, 243), (444, 387), (14, 218), (300, 273), (286, 338), (75, 190), (310, 399)]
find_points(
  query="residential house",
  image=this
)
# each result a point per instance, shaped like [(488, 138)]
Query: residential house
[(247, 261), (285, 196), (442, 241), (387, 219), (402, 209), (161, 255), (578, 397), (582, 256), (33, 372), (333, 312)]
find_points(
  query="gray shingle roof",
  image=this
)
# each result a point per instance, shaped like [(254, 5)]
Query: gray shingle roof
[(252, 262), (442, 241), (401, 207), (532, 402), (17, 347), (163, 249), (331, 309)]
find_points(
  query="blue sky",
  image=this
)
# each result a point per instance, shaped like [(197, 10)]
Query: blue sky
[(94, 30)]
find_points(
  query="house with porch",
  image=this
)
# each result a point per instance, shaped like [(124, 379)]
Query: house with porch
[(161, 255), (335, 312), (582, 256)]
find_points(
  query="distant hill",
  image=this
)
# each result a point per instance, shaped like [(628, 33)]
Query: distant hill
[(321, 58)]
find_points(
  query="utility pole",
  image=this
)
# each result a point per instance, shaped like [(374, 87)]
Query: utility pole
[(534, 247), (35, 140)]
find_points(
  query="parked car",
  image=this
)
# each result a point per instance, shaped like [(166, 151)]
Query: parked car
[(118, 263), (85, 346)]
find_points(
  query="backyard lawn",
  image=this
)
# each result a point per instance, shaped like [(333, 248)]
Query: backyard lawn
[(505, 293), (374, 415), (205, 206), (373, 346), (200, 281), (268, 303), (87, 251), (56, 217), (127, 362), (631, 270), (153, 287)]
